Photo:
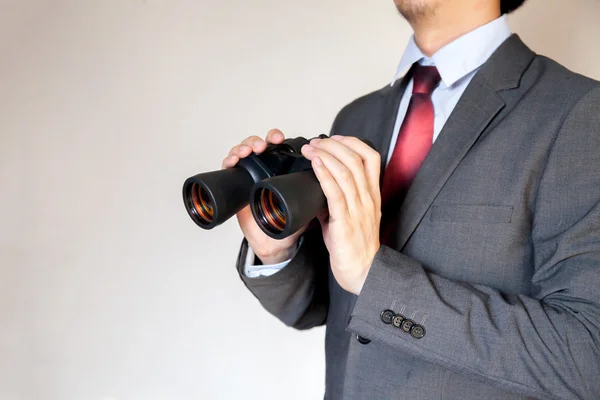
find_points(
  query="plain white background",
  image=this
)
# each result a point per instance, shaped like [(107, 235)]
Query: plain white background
[(107, 289)]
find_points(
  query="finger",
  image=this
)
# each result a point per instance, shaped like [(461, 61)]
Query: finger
[(241, 151), (336, 201), (275, 136), (351, 159), (230, 162), (339, 172), (371, 159), (257, 143)]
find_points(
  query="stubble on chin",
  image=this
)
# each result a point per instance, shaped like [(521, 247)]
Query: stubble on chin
[(415, 10)]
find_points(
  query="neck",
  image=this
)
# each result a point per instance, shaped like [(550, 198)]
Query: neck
[(444, 26)]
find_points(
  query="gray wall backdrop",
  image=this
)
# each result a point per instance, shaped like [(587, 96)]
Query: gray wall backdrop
[(108, 291)]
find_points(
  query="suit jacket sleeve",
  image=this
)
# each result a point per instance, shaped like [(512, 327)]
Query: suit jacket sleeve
[(297, 294), (545, 344)]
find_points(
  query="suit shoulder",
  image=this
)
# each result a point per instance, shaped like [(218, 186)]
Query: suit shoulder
[(365, 101), (555, 90), (575, 99), (561, 79), (362, 106)]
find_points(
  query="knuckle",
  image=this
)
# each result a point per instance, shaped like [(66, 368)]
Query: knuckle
[(375, 156), (351, 140), (239, 150), (346, 176), (227, 162), (355, 160), (233, 150), (251, 139), (272, 133)]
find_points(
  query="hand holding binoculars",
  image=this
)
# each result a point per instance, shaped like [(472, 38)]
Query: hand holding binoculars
[(279, 184)]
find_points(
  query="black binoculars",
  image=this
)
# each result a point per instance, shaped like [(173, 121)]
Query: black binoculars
[(280, 185)]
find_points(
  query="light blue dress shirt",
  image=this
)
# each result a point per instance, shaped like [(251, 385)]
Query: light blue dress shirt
[(457, 63)]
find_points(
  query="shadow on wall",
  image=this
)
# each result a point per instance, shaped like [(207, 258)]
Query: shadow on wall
[(572, 28)]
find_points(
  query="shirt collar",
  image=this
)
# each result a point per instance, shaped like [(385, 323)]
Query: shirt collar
[(462, 56)]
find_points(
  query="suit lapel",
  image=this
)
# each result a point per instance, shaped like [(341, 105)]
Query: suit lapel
[(476, 109)]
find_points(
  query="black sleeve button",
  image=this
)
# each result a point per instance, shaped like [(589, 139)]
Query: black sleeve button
[(387, 316), (406, 325), (362, 340), (417, 331), (397, 321)]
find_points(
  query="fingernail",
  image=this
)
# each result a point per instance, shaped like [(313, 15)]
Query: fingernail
[(317, 161), (308, 148), (337, 137), (315, 141)]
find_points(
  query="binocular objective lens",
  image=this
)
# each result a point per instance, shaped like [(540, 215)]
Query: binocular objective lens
[(203, 206), (270, 212)]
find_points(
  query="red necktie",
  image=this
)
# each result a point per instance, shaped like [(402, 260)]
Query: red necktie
[(414, 139)]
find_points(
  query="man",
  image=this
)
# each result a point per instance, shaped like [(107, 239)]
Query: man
[(461, 260)]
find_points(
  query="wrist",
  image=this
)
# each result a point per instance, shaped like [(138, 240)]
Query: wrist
[(278, 256), (362, 278)]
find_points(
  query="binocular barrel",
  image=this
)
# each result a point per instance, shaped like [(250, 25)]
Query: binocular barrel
[(283, 204), (212, 198)]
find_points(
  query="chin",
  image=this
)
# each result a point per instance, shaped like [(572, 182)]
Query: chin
[(414, 9)]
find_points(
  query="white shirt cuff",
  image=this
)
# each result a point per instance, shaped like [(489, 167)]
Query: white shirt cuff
[(254, 271)]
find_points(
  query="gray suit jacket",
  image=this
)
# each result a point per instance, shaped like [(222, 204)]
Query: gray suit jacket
[(496, 251)]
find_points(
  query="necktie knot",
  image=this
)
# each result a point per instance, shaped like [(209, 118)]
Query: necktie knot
[(425, 79)]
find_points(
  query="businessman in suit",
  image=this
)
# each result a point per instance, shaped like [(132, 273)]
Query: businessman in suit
[(461, 258)]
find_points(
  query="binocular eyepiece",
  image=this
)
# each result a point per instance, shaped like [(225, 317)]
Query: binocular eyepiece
[(279, 184)]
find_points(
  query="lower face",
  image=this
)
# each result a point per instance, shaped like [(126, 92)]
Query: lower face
[(415, 9)]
